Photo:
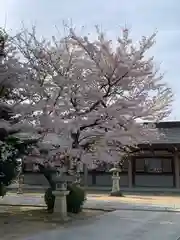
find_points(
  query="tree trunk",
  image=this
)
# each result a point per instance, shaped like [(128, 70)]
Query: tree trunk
[(47, 172)]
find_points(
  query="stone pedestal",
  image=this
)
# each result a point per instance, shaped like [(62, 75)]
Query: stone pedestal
[(60, 205), (60, 193), (115, 184), (20, 191), (20, 185)]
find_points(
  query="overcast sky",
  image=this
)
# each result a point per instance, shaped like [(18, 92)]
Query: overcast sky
[(143, 17)]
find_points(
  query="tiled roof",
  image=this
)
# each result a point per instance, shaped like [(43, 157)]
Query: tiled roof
[(169, 135)]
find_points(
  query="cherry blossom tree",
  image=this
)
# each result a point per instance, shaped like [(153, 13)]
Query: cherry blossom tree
[(12, 146), (92, 95)]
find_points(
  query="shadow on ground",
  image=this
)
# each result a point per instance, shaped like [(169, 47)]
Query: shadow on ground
[(17, 222)]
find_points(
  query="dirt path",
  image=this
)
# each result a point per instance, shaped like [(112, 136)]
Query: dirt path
[(17, 223), (141, 199)]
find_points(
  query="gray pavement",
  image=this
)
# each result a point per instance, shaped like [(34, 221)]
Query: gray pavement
[(153, 221), (121, 225)]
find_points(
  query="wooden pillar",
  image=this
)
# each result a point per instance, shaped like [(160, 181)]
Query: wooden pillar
[(85, 171), (134, 172), (173, 171), (176, 170), (130, 173)]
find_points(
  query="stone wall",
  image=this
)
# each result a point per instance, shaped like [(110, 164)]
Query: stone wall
[(104, 180)]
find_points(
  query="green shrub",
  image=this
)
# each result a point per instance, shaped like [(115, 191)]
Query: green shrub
[(75, 198), (9, 171), (2, 190), (49, 199), (9, 163)]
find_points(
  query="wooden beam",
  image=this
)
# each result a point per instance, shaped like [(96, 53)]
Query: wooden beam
[(155, 154)]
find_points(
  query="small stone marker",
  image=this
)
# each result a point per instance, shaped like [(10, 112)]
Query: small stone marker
[(60, 193)]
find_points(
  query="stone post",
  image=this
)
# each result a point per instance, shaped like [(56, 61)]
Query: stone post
[(60, 205), (115, 182), (20, 184), (78, 173), (60, 193)]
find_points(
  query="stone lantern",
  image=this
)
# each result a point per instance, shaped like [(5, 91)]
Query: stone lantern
[(115, 182), (60, 192), (20, 177), (20, 184)]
